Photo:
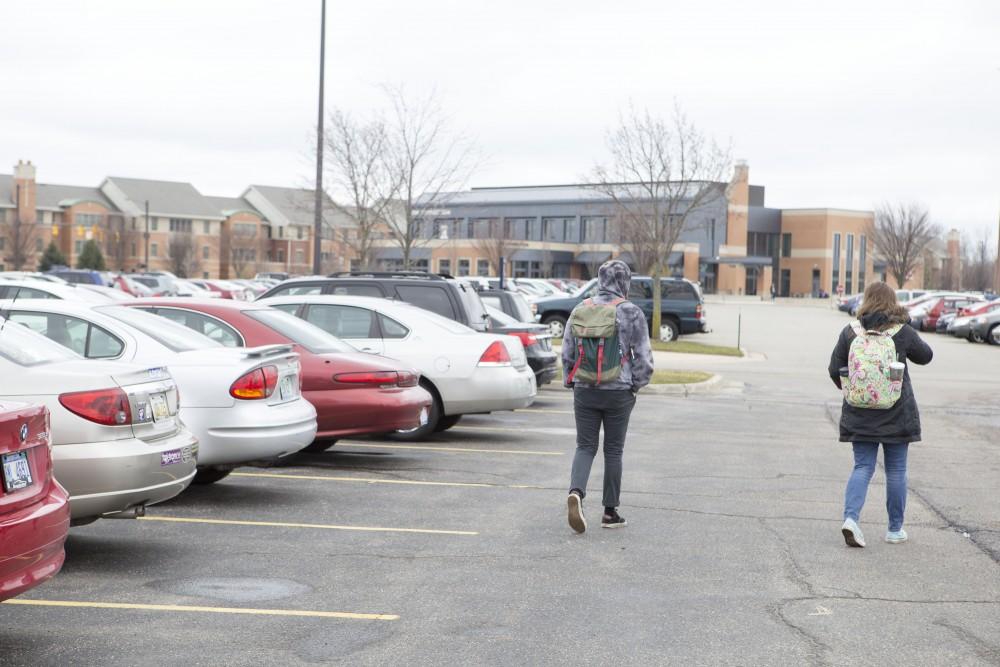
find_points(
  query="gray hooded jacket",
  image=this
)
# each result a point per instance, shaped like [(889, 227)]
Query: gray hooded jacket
[(613, 280)]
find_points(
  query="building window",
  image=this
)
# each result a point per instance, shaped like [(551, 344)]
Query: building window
[(205, 252), (836, 264), (862, 259), (77, 247), (245, 229), (482, 228), (154, 224), (207, 227), (786, 245), (526, 269), (516, 228), (87, 219), (281, 255), (299, 232), (180, 225), (482, 267), (464, 267), (300, 257), (154, 250), (444, 266), (849, 269), (554, 229), (38, 245), (594, 230), (3, 242), (133, 250)]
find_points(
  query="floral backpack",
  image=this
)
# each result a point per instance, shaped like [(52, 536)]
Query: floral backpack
[(868, 383)]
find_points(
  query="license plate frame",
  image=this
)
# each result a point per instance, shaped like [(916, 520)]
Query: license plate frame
[(158, 407), (16, 471), (288, 388)]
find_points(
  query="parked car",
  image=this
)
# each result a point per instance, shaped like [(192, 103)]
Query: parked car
[(536, 340), (904, 296), (34, 289), (949, 303), (272, 275), (117, 443), (512, 303), (463, 370), (110, 293), (129, 286), (943, 322), (226, 289), (448, 297), (77, 276), (34, 508), (159, 285), (987, 327), (354, 393), (31, 275), (962, 325), (681, 302), (256, 288), (244, 405), (189, 289), (850, 304)]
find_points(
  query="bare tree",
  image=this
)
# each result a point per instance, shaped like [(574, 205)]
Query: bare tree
[(361, 174), (118, 239), (245, 251), (900, 233), (183, 255), (491, 240), (428, 162), (22, 233), (661, 173), (979, 261)]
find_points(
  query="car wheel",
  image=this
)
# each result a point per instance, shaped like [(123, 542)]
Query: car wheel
[(975, 338), (669, 331), (993, 335), (447, 421), (210, 475), (556, 324), (425, 431), (318, 446)]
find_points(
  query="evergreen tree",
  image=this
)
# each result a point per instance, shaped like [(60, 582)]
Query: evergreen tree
[(51, 257), (90, 257)]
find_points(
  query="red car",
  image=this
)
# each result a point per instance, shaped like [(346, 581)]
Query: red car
[(34, 508), (947, 304), (226, 289), (354, 393)]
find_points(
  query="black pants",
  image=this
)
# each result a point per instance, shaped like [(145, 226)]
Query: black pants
[(594, 407)]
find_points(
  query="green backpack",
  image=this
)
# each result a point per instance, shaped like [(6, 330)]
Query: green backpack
[(598, 354), (868, 383)]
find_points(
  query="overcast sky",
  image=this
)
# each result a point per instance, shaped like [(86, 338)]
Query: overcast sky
[(840, 107)]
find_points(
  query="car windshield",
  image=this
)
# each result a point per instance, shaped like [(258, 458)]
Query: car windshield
[(470, 297), (166, 332), (522, 310), (148, 282), (501, 318), (24, 347), (586, 288), (299, 331)]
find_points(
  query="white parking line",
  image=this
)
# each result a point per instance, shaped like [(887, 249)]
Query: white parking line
[(368, 445), (376, 480), (315, 526), (208, 610)]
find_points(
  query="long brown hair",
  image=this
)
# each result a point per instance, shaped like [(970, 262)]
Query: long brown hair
[(880, 298)]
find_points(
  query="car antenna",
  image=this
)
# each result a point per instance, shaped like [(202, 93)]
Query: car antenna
[(12, 301)]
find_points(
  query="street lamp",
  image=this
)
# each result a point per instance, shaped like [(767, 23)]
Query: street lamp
[(318, 213)]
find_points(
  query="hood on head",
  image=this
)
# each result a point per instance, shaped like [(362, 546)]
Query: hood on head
[(613, 278)]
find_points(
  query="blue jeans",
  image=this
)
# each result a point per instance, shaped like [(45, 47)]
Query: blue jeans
[(894, 457)]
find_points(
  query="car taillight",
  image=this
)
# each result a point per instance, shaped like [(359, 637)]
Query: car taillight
[(258, 383), (375, 378), (408, 379), (495, 355), (699, 312), (527, 339), (108, 407)]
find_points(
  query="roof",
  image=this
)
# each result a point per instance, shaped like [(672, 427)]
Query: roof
[(166, 198), (294, 206), (227, 206), (527, 194), (50, 196)]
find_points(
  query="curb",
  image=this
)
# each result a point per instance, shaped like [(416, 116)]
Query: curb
[(709, 385)]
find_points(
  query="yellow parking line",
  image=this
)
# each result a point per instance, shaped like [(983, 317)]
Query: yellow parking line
[(207, 610), (456, 449), (375, 480), (321, 526)]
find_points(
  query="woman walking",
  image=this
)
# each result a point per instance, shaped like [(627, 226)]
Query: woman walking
[(869, 365)]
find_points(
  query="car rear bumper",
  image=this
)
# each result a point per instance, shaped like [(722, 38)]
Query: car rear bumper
[(250, 431), (344, 412), (35, 536), (493, 388), (114, 476), (544, 367)]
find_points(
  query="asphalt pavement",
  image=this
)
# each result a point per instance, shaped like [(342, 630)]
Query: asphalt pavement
[(456, 551)]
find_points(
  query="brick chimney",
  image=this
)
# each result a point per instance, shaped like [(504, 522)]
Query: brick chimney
[(955, 259), (25, 190)]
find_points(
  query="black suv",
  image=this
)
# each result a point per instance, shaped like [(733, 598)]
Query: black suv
[(682, 306), (438, 293)]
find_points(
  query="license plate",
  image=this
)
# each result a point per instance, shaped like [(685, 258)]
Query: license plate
[(288, 388), (158, 402), (424, 417), (16, 472)]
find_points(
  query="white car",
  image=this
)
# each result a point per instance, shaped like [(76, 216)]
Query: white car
[(118, 445), (243, 404), (466, 371), (189, 289), (37, 289), (111, 293)]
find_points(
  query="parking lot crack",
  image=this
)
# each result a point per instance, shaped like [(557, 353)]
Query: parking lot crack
[(982, 648)]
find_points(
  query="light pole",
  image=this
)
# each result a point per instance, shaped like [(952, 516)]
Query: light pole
[(146, 236), (318, 214)]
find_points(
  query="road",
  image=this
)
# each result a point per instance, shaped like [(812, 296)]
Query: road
[(457, 551)]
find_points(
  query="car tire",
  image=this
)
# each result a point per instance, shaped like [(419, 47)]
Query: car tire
[(428, 429), (447, 421), (993, 335), (210, 475), (556, 325), (318, 446), (669, 331)]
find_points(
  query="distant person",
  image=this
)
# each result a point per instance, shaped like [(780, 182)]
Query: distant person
[(774, 292), (606, 360), (869, 365)]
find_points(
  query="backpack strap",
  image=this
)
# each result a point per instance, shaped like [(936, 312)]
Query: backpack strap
[(893, 330), (859, 330), (579, 360), (600, 359)]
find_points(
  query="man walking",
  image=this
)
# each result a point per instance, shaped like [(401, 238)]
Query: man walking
[(606, 359)]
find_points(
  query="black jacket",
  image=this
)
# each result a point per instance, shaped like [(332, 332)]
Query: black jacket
[(901, 422)]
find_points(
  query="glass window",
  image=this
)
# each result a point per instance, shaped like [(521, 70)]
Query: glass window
[(640, 289), (205, 250), (428, 297), (78, 335), (786, 245), (522, 311), (297, 290), (677, 289), (171, 335), (391, 328), (299, 331), (206, 325), (207, 227), (836, 263), (26, 348), (358, 290), (492, 302), (15, 292), (482, 267), (180, 225), (862, 259), (849, 267), (554, 229), (291, 308), (463, 267), (342, 321), (154, 250), (444, 266), (594, 229)]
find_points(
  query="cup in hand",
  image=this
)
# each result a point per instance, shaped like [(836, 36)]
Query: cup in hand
[(896, 369)]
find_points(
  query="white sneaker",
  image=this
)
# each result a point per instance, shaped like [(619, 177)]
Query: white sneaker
[(574, 505), (896, 537), (852, 533)]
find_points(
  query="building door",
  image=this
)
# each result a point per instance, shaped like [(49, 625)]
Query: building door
[(751, 285), (815, 290), (785, 285)]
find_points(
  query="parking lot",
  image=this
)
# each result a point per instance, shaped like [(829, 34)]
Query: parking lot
[(456, 551)]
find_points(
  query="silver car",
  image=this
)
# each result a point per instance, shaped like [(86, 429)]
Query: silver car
[(118, 445)]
